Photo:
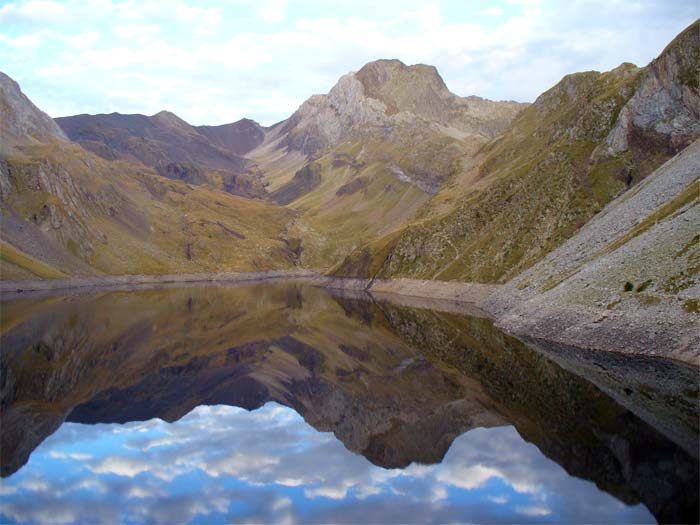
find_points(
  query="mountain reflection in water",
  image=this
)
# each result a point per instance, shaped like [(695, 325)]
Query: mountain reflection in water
[(361, 412)]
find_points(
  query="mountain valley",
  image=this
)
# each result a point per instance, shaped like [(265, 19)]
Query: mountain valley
[(389, 175)]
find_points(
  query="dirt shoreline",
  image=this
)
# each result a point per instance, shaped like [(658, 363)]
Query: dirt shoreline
[(572, 326), (107, 281)]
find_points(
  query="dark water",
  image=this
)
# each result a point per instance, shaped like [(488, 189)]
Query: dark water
[(283, 403)]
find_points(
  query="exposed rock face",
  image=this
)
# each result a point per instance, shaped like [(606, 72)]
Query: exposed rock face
[(387, 95), (239, 137), (22, 121), (385, 138), (244, 184), (665, 110), (305, 180), (420, 90), (528, 189)]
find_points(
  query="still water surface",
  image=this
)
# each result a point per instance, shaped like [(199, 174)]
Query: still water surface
[(283, 403)]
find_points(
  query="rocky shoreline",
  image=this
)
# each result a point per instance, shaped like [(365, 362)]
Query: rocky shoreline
[(589, 329)]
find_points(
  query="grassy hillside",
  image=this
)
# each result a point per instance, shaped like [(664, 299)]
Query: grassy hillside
[(69, 209), (530, 190), (585, 141), (364, 190), (359, 162)]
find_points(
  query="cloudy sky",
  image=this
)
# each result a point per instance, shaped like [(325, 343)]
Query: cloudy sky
[(222, 464), (217, 61)]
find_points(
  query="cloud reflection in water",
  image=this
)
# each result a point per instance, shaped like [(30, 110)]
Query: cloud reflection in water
[(220, 464)]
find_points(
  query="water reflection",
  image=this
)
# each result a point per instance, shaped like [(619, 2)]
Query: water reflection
[(327, 376), (221, 463)]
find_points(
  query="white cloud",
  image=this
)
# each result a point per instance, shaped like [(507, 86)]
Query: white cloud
[(468, 477), (534, 511), (243, 466), (37, 11), (281, 503), (79, 456), (438, 493), (139, 492), (26, 42), (272, 11), (5, 489), (226, 60), (492, 11), (35, 485), (121, 466)]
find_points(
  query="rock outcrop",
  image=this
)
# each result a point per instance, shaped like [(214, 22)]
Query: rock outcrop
[(664, 112), (388, 96), (628, 281), (22, 122), (385, 138)]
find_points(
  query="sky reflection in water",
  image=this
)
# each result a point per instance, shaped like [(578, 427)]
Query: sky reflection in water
[(220, 464)]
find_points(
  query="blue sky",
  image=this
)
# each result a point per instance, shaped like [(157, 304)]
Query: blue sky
[(217, 61), (222, 464)]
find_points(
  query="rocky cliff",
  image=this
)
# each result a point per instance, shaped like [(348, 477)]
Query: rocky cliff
[(664, 112), (389, 97)]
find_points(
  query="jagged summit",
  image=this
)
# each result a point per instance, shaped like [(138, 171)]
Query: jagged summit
[(389, 95), (583, 142), (388, 81), (22, 122)]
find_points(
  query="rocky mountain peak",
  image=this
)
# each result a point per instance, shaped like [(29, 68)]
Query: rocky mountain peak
[(22, 122), (403, 88), (389, 96)]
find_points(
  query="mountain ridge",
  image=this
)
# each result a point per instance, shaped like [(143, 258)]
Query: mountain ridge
[(164, 141)]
